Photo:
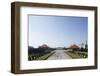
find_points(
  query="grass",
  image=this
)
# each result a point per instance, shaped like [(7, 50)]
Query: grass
[(43, 57), (76, 54), (46, 56)]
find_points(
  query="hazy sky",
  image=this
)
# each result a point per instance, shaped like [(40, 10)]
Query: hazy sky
[(57, 31)]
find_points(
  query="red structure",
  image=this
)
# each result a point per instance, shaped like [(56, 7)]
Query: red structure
[(44, 46), (74, 47)]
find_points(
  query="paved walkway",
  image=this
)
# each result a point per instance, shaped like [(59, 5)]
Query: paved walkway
[(59, 54)]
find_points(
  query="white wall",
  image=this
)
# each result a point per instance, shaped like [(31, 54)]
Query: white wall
[(5, 42)]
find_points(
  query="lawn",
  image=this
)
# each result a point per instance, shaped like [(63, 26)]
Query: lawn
[(76, 54), (43, 57), (46, 56)]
